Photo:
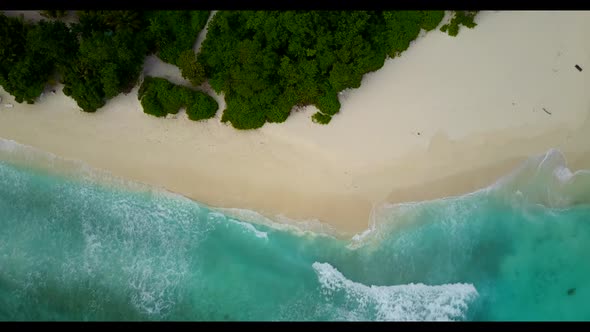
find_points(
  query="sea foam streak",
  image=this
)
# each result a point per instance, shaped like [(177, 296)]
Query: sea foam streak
[(413, 302)]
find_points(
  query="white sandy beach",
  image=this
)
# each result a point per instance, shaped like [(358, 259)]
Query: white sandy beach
[(451, 115)]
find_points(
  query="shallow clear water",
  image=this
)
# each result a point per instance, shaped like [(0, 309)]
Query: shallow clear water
[(76, 249)]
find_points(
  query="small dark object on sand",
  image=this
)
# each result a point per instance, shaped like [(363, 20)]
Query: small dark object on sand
[(418, 133), (578, 68), (571, 291), (546, 111)]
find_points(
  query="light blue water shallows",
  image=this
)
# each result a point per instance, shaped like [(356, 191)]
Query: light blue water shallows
[(76, 250)]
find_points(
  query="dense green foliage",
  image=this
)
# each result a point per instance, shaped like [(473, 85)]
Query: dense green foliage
[(109, 59), (432, 19), (31, 54), (190, 68), (264, 62), (464, 18), (13, 34), (159, 97), (172, 32), (267, 62), (321, 118), (97, 58)]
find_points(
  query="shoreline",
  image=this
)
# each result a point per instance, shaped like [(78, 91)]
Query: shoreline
[(371, 152), (30, 157)]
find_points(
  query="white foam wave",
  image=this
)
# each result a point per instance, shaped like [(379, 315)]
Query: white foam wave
[(359, 237), (282, 223), (8, 145), (250, 228), (412, 302), (221, 217), (312, 225)]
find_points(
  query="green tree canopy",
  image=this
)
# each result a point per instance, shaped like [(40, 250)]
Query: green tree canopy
[(172, 32), (267, 62), (264, 62), (160, 97)]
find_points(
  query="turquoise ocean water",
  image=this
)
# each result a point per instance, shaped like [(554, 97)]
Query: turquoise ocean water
[(90, 247)]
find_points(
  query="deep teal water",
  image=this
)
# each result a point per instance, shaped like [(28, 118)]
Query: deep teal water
[(75, 249)]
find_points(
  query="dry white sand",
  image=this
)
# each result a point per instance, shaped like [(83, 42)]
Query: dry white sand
[(476, 101)]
